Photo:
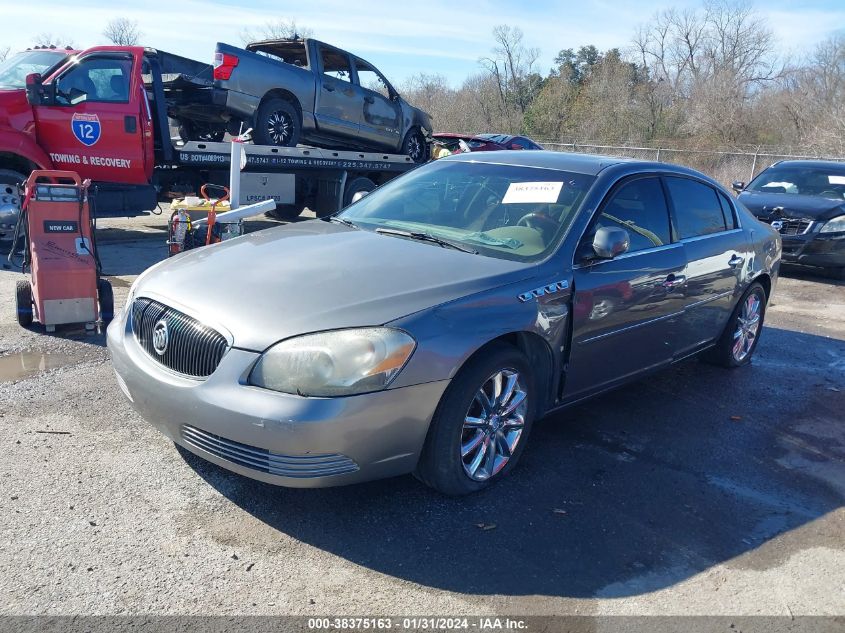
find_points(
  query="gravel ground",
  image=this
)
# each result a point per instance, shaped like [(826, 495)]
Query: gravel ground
[(697, 491)]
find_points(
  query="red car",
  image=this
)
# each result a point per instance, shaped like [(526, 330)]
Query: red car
[(481, 142)]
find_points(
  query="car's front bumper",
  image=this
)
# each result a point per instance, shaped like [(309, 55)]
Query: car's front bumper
[(826, 250), (275, 437)]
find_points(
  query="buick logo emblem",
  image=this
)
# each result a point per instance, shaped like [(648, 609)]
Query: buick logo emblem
[(161, 337)]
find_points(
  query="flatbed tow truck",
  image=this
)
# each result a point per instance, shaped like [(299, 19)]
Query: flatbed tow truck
[(106, 113)]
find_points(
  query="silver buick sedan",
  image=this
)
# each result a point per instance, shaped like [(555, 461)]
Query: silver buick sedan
[(427, 326)]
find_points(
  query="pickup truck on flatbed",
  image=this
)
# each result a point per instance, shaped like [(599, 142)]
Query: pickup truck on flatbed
[(105, 113), (304, 90)]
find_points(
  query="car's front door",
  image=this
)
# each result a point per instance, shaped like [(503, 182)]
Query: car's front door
[(338, 102), (381, 114), (94, 124), (716, 252), (624, 308)]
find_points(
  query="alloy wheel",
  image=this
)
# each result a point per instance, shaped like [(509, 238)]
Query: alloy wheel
[(493, 425), (748, 324), (414, 148), (279, 127)]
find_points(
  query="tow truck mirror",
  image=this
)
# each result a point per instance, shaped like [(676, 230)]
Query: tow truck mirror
[(34, 89), (738, 186), (77, 96)]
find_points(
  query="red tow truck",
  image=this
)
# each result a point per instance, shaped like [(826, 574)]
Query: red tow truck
[(106, 113)]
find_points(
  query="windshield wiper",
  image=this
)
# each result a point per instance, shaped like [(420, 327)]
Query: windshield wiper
[(344, 221), (427, 237)]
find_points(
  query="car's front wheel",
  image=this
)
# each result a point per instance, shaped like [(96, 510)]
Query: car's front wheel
[(482, 423), (742, 333)]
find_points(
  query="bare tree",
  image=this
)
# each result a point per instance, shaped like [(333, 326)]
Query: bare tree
[(279, 29), (122, 32), (4, 52), (512, 67)]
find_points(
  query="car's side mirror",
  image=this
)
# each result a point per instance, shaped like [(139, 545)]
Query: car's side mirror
[(77, 96), (34, 89), (738, 186), (608, 242)]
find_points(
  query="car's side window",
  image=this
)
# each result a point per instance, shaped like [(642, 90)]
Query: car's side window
[(100, 79), (371, 79), (727, 210), (335, 64), (697, 208), (639, 207)]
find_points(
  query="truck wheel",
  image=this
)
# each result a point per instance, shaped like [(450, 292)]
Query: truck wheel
[(23, 303), (415, 146), (277, 123), (481, 425), (106, 297), (188, 131), (286, 212), (10, 201), (357, 185)]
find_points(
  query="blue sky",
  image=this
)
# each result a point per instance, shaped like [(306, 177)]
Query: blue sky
[(401, 38)]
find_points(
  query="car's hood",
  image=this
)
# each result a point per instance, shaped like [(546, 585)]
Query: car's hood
[(789, 205), (315, 275)]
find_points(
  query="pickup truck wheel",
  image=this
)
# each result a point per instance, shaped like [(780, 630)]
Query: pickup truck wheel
[(357, 185), (415, 146), (277, 123), (481, 424), (10, 201), (188, 131)]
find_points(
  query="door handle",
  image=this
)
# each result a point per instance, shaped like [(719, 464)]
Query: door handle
[(735, 261), (130, 124), (369, 99), (673, 281), (328, 88)]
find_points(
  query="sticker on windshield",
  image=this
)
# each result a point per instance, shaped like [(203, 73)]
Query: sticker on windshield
[(532, 192), (86, 128)]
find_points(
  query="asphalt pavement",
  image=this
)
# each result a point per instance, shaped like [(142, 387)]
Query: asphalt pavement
[(696, 491)]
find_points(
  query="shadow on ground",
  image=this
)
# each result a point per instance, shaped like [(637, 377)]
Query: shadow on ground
[(631, 492)]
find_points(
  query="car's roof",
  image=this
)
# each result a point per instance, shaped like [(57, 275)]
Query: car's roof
[(588, 164), (813, 164)]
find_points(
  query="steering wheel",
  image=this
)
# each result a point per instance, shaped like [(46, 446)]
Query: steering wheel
[(539, 221)]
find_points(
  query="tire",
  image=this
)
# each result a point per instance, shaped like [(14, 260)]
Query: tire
[(105, 295), (188, 131), (724, 353), (415, 146), (277, 123), (442, 465), (8, 190), (286, 212), (23, 303), (357, 185)]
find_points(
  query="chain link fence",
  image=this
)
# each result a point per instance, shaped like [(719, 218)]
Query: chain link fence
[(723, 166)]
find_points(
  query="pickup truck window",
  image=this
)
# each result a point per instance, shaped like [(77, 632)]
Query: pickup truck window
[(335, 64), (371, 79), (293, 53), (102, 79)]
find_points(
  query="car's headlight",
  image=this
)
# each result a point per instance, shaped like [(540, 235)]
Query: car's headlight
[(336, 363), (836, 225)]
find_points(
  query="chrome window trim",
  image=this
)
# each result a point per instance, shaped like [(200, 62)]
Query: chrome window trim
[(626, 255), (697, 238)]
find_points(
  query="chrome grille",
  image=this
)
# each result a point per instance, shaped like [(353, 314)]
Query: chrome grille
[(300, 466), (192, 349), (792, 226)]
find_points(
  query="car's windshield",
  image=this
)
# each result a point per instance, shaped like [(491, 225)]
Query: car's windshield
[(807, 181), (500, 211), (14, 70)]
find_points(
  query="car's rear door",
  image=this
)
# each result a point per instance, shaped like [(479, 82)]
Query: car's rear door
[(338, 103), (381, 115), (716, 251), (624, 308)]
